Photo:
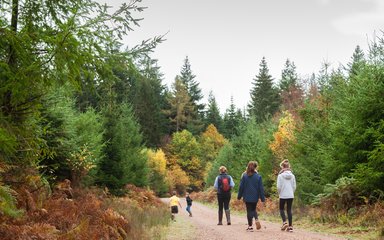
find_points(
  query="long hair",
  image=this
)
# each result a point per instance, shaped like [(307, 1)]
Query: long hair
[(251, 168)]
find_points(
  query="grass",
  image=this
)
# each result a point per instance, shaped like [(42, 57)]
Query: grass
[(181, 229)]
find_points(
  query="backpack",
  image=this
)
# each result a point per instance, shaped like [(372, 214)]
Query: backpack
[(225, 185)]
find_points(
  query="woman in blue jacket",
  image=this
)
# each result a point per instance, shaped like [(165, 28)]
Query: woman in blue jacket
[(251, 190)]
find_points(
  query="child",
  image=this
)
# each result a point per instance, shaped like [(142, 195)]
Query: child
[(174, 202), (189, 204)]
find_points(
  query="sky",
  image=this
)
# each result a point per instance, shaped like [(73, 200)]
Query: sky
[(226, 40)]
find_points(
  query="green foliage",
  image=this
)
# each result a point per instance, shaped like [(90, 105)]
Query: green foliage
[(8, 202), (124, 160), (264, 95), (343, 195), (195, 125), (250, 145), (233, 120), (212, 115), (185, 149)]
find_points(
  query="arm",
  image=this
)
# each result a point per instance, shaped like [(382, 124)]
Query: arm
[(278, 183), (231, 183), (216, 184), (294, 184), (261, 188), (241, 189)]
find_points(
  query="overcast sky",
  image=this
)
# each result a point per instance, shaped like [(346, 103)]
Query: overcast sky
[(226, 40)]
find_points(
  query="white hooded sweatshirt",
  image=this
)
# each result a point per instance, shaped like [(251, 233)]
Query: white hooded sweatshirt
[(286, 184)]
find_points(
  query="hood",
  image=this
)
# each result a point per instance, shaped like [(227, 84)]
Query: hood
[(287, 175)]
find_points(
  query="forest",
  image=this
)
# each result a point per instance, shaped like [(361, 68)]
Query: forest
[(78, 105)]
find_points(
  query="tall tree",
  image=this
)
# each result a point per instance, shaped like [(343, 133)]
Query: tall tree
[(213, 115), (195, 124), (291, 93), (125, 161), (180, 106), (264, 95), (357, 62), (232, 120), (148, 97)]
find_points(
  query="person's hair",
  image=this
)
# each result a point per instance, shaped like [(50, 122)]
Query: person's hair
[(285, 164), (174, 193), (251, 168), (222, 169)]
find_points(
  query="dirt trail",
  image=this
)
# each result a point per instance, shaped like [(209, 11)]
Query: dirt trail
[(203, 225)]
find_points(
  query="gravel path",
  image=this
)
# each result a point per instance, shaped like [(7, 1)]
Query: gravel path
[(203, 226)]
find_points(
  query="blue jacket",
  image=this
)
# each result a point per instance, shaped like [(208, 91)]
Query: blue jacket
[(251, 188)]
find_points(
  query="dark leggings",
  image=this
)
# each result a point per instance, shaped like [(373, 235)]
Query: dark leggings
[(223, 200), (251, 212), (289, 209)]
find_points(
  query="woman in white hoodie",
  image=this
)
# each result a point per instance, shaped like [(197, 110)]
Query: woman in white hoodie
[(286, 186)]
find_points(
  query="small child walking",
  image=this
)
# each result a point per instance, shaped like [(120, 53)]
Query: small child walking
[(189, 204), (174, 203)]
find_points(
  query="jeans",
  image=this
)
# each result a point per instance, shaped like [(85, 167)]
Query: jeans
[(289, 209)]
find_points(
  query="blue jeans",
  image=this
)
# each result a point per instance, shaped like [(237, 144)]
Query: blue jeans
[(188, 208)]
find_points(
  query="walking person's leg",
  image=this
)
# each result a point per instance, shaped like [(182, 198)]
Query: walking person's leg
[(221, 206), (250, 214), (227, 199), (289, 213), (282, 213), (257, 222)]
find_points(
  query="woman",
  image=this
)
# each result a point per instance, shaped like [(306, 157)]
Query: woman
[(286, 186), (251, 190), (223, 184)]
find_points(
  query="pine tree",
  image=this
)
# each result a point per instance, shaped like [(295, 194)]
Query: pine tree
[(195, 124), (264, 96), (213, 113), (148, 98), (180, 106), (125, 162), (291, 93), (232, 120), (357, 62)]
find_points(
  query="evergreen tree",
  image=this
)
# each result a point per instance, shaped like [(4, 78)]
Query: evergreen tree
[(148, 98), (232, 120), (357, 62), (213, 113), (196, 114), (291, 94), (180, 106), (264, 96)]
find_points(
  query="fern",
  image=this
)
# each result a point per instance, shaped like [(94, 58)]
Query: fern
[(7, 202)]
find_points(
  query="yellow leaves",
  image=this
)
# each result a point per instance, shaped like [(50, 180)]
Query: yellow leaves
[(157, 161), (283, 136), (83, 160)]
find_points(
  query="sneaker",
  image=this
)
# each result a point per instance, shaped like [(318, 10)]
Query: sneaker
[(284, 227), (257, 223), (250, 229), (290, 229)]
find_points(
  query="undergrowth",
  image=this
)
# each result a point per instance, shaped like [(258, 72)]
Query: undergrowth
[(90, 214)]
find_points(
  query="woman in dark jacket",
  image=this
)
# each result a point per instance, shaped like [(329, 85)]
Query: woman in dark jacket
[(251, 190)]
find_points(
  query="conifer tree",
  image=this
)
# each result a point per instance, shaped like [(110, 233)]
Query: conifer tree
[(213, 113), (195, 124), (291, 93), (232, 120), (357, 62), (264, 95), (180, 105)]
